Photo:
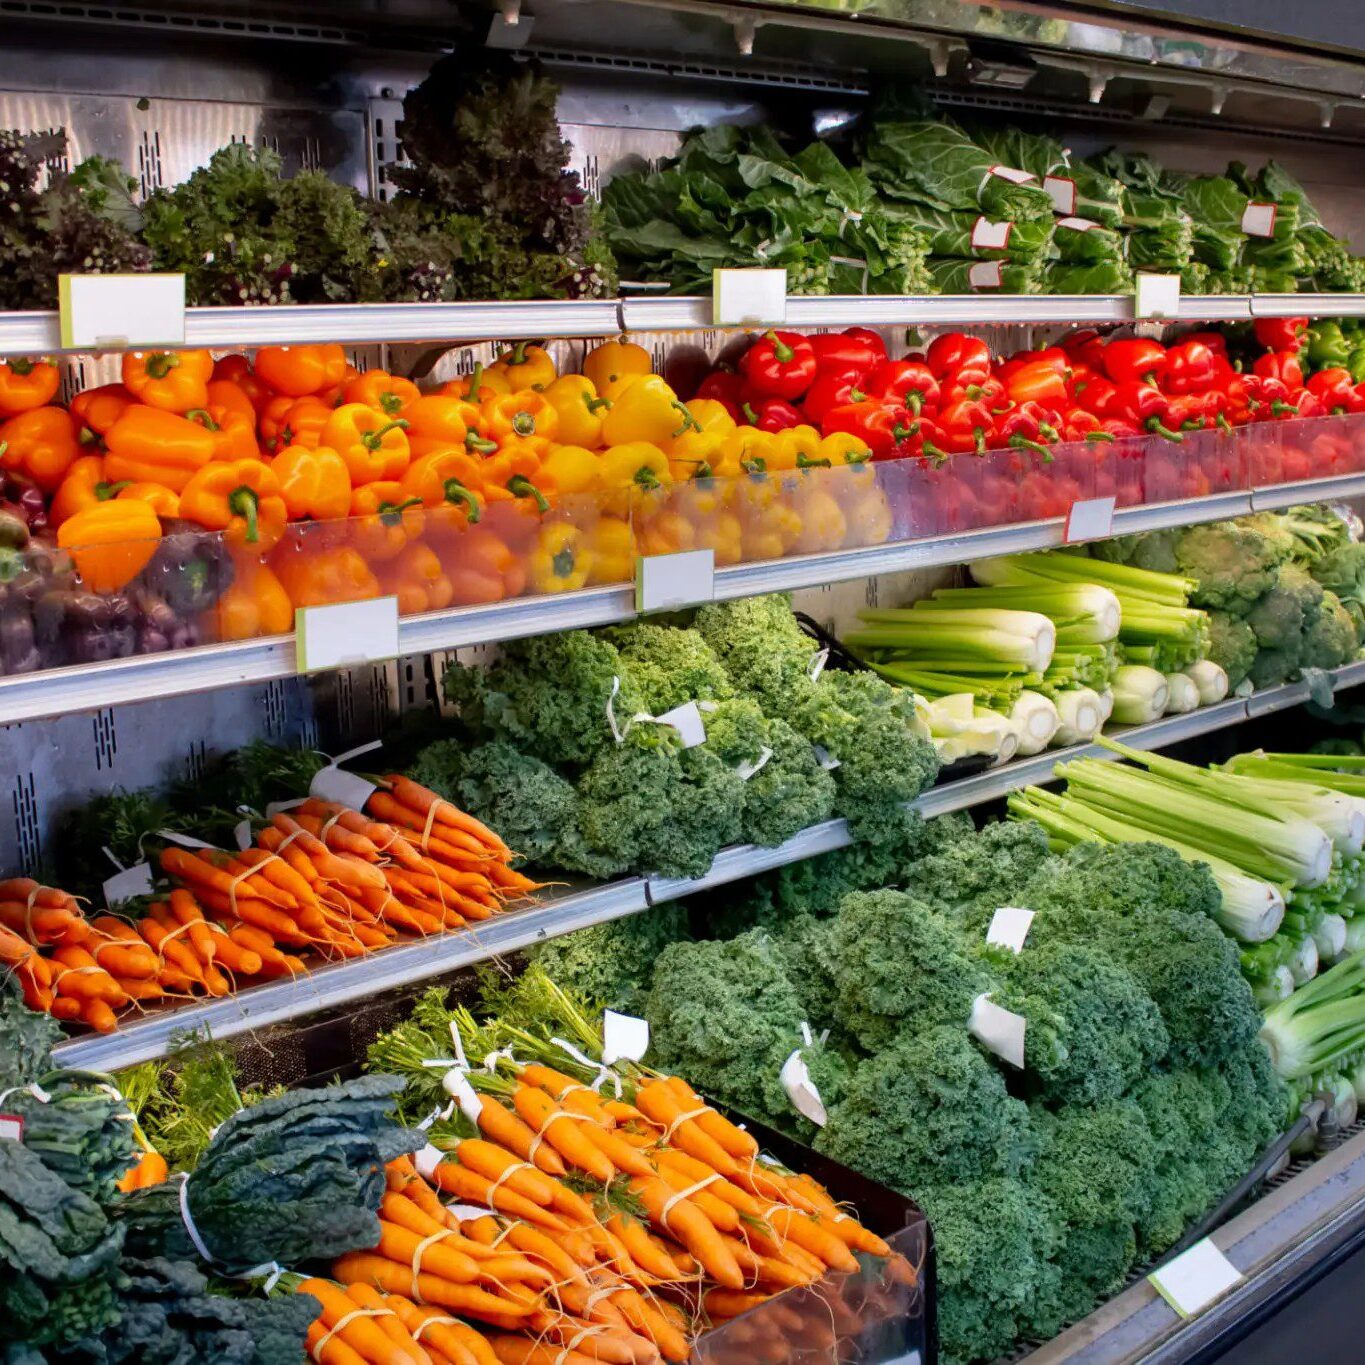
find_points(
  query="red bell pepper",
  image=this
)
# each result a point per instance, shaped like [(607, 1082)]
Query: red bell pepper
[(847, 354), (1039, 380), (880, 425), (925, 438), (1084, 347), (1281, 365), (1026, 427), (910, 382), (1307, 404), (1146, 407), (1080, 425), (1189, 412), (1281, 334), (779, 365), (1215, 341), (832, 391), (1191, 367), (966, 424), (725, 386), (1275, 398), (1337, 391), (771, 414), (1135, 359), (988, 390), (1096, 394), (956, 356)]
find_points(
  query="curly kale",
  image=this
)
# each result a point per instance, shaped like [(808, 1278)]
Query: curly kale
[(1232, 645), (1103, 1029), (1234, 562), (526, 801), (994, 1241), (610, 964), (549, 693), (899, 966), (670, 666), (763, 649), (791, 792), (807, 948), (929, 1108)]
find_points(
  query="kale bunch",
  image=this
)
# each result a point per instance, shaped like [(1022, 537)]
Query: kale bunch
[(488, 174), (287, 1180), (670, 665)]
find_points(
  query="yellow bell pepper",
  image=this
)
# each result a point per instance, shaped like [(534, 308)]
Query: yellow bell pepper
[(561, 560), (795, 448), (724, 534), (571, 470), (581, 411), (613, 364), (745, 450), (665, 532), (647, 410), (843, 447), (822, 520), (525, 367), (612, 542), (632, 468), (771, 531)]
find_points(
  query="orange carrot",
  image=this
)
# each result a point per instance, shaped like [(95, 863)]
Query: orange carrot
[(435, 1258), (499, 1165), (329, 1350), (505, 1128), (361, 1267), (559, 1128), (735, 1140), (681, 1218), (360, 1333), (445, 1334), (79, 975), (645, 1317), (524, 1351), (643, 1252), (468, 1185), (662, 1106), (388, 1320)]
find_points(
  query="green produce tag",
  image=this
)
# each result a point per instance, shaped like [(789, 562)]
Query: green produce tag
[(1191, 1281), (117, 312)]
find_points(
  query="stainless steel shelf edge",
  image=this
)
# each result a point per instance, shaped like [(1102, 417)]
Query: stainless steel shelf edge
[(362, 323), (339, 983), (1308, 490)]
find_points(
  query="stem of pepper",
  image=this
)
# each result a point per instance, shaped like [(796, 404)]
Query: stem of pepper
[(1093, 436), (105, 491), (804, 461), (783, 353), (524, 424), (478, 444), (563, 562), (1279, 408), (1158, 428), (201, 416), (391, 513), (161, 363), (1023, 443), (243, 502), (522, 487), (755, 466), (594, 403), (690, 423), (391, 404), (21, 365), (455, 492), (371, 439), (475, 382), (1223, 423)]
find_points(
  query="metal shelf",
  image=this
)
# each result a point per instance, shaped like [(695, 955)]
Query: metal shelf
[(369, 323), (62, 691), (342, 982)]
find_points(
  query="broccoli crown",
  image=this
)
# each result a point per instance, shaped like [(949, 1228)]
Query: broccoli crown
[(1282, 615), (525, 800), (609, 964), (898, 964), (670, 666), (1232, 645), (1342, 571), (1108, 1030), (791, 792), (762, 648), (973, 875), (725, 1015), (928, 1108), (550, 693), (1331, 639), (994, 1241), (1275, 666), (1234, 562)]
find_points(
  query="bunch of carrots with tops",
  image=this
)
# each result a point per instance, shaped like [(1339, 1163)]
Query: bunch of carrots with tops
[(321, 879), (590, 1227)]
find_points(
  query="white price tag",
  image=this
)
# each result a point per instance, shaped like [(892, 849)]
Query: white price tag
[(1009, 927), (184, 840), (985, 274), (667, 582), (1061, 189), (1015, 177), (988, 236), (1156, 296), (456, 1084), (116, 312), (124, 886), (1090, 519), (345, 789), (1077, 224), (427, 1160), (241, 835), (801, 1091), (1000, 1030), (1258, 220), (748, 770), (346, 633), (748, 298), (624, 1037), (1195, 1278), (817, 664), (686, 720), (11, 1128)]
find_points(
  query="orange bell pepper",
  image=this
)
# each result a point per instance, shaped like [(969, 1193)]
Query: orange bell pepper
[(270, 422), (448, 483), (298, 370), (147, 445), (83, 486), (417, 579), (334, 395), (223, 393), (379, 389), (234, 436), (42, 443), (436, 420), (525, 366), (27, 384), (98, 409), (111, 543), (255, 603), (478, 386), (314, 482), (331, 573), (156, 495), (524, 415), (374, 447), (239, 497), (386, 518), (236, 370), (174, 381), (302, 423), (483, 568)]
